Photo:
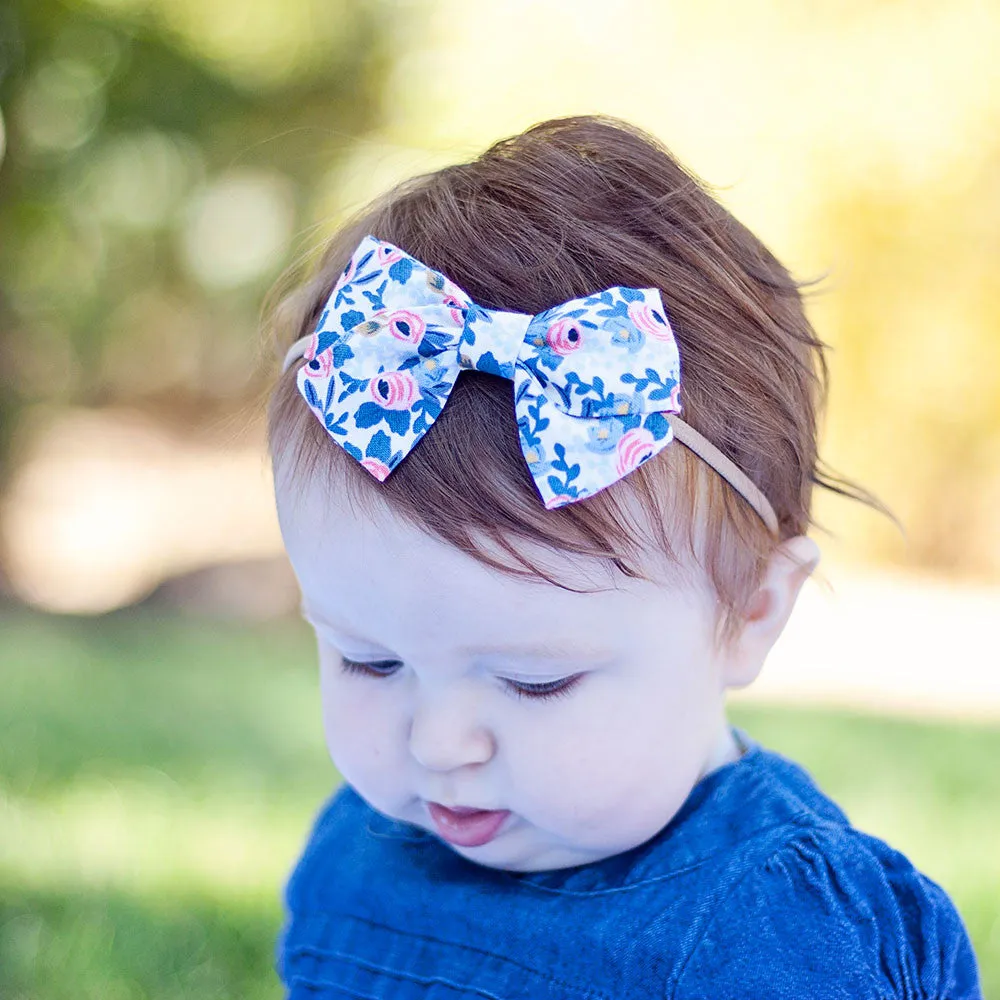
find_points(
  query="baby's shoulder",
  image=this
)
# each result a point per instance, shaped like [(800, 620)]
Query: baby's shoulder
[(814, 900)]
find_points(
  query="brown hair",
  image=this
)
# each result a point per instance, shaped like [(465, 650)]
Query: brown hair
[(569, 207)]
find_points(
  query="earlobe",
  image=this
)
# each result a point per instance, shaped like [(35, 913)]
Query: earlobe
[(790, 565)]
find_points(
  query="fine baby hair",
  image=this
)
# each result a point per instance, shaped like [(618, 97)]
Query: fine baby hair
[(569, 208), (564, 362)]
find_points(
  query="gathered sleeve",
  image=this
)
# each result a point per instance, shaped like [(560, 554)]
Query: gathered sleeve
[(833, 915)]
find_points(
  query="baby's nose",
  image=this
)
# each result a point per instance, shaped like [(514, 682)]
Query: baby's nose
[(445, 735)]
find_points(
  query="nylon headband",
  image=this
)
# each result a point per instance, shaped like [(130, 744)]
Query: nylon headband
[(683, 432)]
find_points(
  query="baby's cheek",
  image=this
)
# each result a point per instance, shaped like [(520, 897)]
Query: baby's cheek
[(608, 774), (358, 731), (562, 769)]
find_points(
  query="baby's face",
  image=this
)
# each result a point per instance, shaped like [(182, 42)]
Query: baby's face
[(451, 660)]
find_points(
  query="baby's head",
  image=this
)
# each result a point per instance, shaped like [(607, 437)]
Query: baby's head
[(477, 648)]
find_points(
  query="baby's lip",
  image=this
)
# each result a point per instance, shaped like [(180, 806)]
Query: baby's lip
[(466, 826)]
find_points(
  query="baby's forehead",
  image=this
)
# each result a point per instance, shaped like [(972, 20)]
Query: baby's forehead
[(361, 562)]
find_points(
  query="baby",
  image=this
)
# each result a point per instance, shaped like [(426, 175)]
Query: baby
[(544, 450)]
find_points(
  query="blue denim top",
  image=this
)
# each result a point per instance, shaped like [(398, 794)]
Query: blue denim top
[(758, 888)]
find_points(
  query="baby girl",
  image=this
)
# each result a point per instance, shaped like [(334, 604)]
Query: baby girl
[(544, 452)]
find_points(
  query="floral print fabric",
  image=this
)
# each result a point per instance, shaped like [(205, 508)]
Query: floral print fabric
[(594, 378)]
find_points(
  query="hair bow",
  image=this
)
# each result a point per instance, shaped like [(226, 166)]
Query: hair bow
[(596, 379)]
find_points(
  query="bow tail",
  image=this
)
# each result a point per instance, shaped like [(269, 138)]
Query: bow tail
[(378, 420)]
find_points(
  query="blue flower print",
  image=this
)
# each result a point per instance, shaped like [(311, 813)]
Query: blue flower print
[(604, 435), (617, 404), (625, 334), (534, 456)]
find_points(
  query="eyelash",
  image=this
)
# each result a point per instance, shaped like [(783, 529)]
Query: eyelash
[(534, 692)]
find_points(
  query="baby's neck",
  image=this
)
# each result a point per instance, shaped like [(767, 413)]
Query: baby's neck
[(725, 750)]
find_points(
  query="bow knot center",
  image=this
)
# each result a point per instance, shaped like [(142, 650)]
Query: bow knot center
[(491, 341)]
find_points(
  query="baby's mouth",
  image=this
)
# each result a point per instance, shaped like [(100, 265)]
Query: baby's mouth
[(466, 827)]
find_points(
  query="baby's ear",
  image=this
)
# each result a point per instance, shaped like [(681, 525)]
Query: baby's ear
[(769, 609)]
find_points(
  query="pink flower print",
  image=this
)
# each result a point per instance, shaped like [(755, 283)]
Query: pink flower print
[(321, 365), (559, 500), (675, 399), (564, 336), (406, 325), (311, 349), (378, 469), (394, 390), (386, 255), (650, 321), (456, 308), (634, 447)]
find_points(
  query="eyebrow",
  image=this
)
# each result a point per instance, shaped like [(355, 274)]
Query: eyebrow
[(541, 650)]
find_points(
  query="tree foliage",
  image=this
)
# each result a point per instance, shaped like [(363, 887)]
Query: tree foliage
[(161, 158)]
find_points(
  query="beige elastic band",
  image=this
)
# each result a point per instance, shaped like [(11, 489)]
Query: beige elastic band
[(684, 433), (296, 351), (726, 468)]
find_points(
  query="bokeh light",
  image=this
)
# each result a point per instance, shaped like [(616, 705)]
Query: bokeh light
[(239, 228)]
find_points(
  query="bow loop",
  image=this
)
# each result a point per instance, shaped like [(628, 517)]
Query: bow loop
[(611, 354)]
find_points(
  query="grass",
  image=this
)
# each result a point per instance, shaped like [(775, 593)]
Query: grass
[(158, 775)]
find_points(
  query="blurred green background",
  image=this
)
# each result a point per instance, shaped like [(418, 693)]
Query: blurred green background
[(159, 775), (161, 163)]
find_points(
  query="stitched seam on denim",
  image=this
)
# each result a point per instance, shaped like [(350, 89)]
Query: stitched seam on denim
[(413, 838), (461, 946), (394, 973), (756, 870), (711, 923), (814, 823), (656, 879), (318, 952), (326, 986)]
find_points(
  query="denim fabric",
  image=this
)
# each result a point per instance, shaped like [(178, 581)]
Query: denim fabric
[(759, 888)]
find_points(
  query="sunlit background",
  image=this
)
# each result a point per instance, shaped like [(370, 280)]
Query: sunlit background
[(161, 163)]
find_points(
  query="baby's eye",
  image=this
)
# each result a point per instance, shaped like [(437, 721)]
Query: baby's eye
[(521, 689), (374, 668), (547, 689)]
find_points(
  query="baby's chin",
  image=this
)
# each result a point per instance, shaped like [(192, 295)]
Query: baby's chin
[(523, 846), (523, 849)]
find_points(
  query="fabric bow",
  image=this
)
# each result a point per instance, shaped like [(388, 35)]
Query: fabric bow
[(593, 378)]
